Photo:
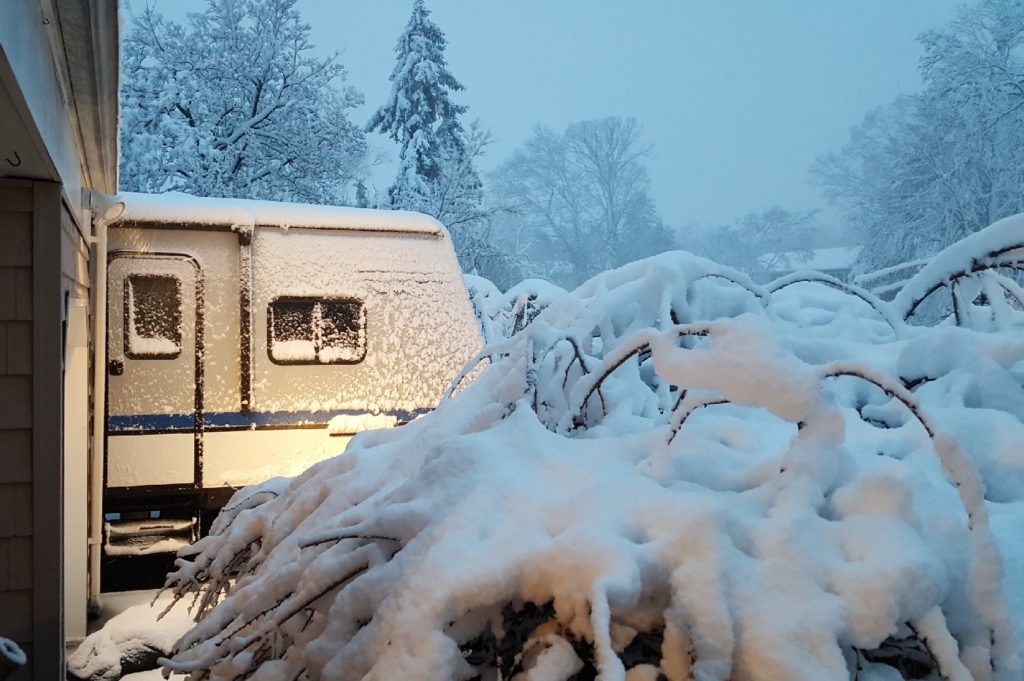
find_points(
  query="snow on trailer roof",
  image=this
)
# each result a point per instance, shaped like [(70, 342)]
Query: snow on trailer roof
[(183, 209)]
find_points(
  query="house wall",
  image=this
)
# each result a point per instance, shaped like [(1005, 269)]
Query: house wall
[(15, 412), (58, 134), (31, 464)]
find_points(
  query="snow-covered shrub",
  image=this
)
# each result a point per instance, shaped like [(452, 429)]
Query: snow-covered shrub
[(669, 473), (501, 315)]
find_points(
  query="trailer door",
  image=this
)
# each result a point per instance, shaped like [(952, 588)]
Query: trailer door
[(154, 381)]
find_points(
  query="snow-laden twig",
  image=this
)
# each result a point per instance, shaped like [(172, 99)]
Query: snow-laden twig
[(998, 246), (878, 305), (686, 408), (867, 279), (632, 347)]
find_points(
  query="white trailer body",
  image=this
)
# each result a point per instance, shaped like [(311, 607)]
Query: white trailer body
[(237, 330)]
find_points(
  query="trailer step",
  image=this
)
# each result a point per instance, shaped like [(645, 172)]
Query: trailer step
[(148, 537)]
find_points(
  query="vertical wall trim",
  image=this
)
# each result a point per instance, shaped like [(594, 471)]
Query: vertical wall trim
[(245, 318), (200, 317), (47, 442), (76, 469)]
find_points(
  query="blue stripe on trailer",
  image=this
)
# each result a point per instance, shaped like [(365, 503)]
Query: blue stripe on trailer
[(232, 420), (150, 422)]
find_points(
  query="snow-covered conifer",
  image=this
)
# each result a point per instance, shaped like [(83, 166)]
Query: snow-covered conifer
[(420, 114), (437, 172)]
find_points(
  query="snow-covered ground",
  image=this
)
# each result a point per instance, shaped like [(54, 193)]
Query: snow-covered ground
[(132, 637), (668, 473)]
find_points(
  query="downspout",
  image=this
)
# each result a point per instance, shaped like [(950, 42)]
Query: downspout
[(104, 210)]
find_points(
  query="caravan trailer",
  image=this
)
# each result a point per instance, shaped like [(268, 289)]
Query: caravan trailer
[(251, 339)]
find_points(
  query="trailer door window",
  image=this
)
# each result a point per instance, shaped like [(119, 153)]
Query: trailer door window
[(152, 310), (315, 331)]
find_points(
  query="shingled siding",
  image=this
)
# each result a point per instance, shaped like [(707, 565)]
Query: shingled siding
[(30, 412)]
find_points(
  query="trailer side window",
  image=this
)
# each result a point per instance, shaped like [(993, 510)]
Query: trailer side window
[(152, 311), (316, 331)]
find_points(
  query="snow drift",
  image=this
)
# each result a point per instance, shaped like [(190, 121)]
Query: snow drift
[(131, 641), (669, 473)]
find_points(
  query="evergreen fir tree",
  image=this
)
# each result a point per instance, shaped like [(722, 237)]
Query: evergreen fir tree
[(437, 173), (420, 114), (362, 197)]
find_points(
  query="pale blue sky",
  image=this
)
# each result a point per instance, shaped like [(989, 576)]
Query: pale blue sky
[(738, 97)]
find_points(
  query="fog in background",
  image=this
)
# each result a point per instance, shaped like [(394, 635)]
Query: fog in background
[(737, 98)]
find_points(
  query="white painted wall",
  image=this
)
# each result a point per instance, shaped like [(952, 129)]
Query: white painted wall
[(156, 459), (76, 468)]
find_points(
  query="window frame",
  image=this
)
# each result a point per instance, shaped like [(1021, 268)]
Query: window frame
[(316, 301), (129, 316)]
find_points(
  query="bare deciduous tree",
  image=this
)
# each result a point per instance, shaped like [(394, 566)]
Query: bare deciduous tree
[(931, 168), (233, 104), (584, 195)]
